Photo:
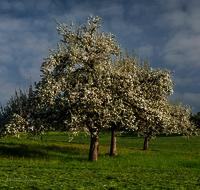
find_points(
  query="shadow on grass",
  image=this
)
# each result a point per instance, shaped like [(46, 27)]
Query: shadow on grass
[(42, 151), (67, 142), (189, 164), (21, 151), (135, 135)]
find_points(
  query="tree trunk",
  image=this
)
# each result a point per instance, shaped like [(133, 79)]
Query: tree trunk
[(113, 147), (146, 141), (94, 146)]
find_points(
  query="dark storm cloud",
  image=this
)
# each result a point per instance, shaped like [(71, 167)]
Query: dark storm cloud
[(167, 31)]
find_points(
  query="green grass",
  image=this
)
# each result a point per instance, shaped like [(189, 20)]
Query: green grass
[(171, 162)]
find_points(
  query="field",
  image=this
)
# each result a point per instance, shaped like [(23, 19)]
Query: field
[(172, 162)]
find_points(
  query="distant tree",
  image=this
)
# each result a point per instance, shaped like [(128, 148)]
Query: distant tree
[(17, 107), (196, 119), (178, 122)]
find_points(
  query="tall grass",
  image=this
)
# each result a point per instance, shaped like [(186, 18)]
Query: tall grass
[(171, 162)]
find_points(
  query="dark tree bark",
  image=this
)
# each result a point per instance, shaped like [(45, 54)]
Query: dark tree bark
[(113, 147), (146, 140), (94, 146)]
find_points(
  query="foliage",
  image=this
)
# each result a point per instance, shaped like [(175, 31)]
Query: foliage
[(21, 114), (76, 70), (196, 120), (12, 115)]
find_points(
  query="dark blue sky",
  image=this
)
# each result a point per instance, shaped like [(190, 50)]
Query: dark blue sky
[(167, 31)]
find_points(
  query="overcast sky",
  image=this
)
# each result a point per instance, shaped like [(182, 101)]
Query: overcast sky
[(167, 31)]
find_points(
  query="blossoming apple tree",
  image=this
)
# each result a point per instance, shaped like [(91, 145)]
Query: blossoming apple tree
[(76, 71), (144, 92)]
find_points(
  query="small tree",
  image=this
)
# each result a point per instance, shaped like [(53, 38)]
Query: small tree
[(178, 122), (22, 114), (16, 109), (196, 119)]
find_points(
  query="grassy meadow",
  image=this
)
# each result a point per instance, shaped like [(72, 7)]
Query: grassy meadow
[(172, 162)]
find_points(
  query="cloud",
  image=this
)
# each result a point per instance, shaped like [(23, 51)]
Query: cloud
[(190, 80), (3, 71), (183, 25), (7, 87), (183, 49), (192, 97), (23, 45), (143, 10), (187, 99), (144, 50), (180, 20), (6, 58), (44, 5), (31, 72)]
